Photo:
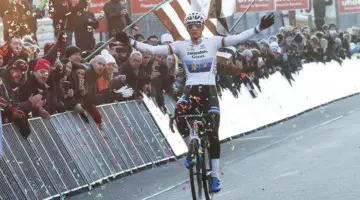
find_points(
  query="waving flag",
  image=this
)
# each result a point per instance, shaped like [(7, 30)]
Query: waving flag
[(217, 10), (172, 15)]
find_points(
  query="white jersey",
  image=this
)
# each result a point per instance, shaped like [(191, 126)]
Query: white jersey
[(199, 60)]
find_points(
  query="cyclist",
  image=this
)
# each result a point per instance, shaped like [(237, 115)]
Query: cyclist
[(199, 59)]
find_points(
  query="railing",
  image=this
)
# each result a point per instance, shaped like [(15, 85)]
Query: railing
[(65, 153)]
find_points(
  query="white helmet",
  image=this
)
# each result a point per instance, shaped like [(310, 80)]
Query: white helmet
[(194, 17)]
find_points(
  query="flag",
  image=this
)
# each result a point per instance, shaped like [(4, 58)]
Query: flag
[(172, 15), (216, 9)]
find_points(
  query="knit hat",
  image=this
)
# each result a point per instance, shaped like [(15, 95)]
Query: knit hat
[(265, 42), (247, 52), (166, 37), (273, 38), (108, 57), (42, 64), (70, 50), (338, 41), (274, 46)]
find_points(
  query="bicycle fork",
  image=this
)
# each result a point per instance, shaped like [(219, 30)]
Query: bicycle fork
[(194, 137)]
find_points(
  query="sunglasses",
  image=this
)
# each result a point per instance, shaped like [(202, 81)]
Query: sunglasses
[(196, 25)]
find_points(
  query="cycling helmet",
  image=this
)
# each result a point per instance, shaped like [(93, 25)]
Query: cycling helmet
[(194, 17)]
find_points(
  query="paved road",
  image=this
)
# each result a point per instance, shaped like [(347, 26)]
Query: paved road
[(314, 156)]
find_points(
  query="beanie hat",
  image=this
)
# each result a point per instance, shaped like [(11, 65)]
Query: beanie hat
[(273, 38), (70, 50), (108, 57), (265, 42), (42, 64), (247, 52), (338, 41), (166, 37), (274, 46)]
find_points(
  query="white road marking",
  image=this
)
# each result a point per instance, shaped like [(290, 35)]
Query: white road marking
[(165, 190), (253, 138), (287, 174), (286, 138)]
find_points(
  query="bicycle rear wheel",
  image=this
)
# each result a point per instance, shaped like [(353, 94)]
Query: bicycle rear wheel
[(195, 171), (206, 169)]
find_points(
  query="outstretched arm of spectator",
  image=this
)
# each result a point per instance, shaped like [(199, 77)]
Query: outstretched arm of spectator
[(59, 46)]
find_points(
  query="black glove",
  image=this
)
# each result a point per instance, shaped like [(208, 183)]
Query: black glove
[(122, 37), (298, 38), (267, 21), (62, 38)]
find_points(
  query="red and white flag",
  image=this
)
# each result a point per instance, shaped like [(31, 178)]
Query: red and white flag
[(172, 15), (215, 10)]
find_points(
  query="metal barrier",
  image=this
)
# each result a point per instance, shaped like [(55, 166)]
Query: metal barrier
[(65, 154)]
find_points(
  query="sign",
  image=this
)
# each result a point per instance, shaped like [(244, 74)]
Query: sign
[(292, 4), (349, 6), (258, 6), (271, 5), (97, 6), (143, 6)]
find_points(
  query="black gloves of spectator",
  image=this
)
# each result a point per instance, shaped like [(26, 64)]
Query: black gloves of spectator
[(267, 21), (298, 38), (122, 37)]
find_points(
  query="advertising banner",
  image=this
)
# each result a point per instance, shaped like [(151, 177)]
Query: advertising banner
[(292, 4), (143, 6), (258, 6), (349, 6), (271, 5)]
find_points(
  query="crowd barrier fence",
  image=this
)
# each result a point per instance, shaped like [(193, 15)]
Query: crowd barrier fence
[(315, 85), (65, 154)]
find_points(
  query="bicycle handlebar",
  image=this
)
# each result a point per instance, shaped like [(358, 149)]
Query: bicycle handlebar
[(171, 121)]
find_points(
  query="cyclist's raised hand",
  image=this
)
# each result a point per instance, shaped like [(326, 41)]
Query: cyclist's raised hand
[(122, 37), (267, 21)]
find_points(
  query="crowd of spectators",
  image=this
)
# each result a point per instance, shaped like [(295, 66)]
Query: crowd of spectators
[(34, 84)]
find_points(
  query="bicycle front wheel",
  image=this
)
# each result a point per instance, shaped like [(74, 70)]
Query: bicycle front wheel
[(206, 169), (195, 170)]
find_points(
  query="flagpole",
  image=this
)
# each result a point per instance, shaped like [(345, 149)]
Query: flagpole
[(232, 28), (127, 27)]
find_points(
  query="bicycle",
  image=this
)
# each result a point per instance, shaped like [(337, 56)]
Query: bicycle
[(200, 173)]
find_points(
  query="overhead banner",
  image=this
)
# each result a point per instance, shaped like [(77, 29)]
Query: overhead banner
[(348, 6), (143, 6), (271, 5)]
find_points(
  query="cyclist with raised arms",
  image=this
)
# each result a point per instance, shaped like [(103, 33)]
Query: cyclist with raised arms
[(199, 58)]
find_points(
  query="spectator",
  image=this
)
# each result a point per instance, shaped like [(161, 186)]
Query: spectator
[(131, 71), (65, 16), (13, 50), (117, 16), (320, 12), (73, 53), (15, 109), (153, 40), (37, 84), (84, 30)]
